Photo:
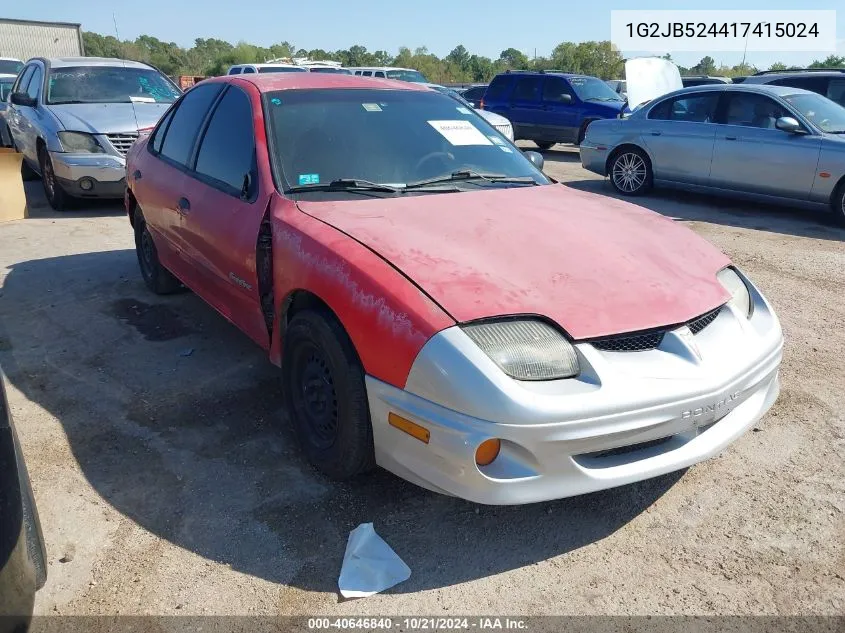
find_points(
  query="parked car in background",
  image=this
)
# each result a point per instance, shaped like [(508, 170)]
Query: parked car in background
[(10, 66), (771, 143), (23, 560), (499, 122), (6, 82), (704, 80), (246, 69), (74, 119), (323, 67), (551, 107), (619, 86), (375, 245), (387, 72), (827, 82), (474, 94)]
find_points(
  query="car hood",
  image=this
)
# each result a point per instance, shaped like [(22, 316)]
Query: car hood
[(108, 118), (650, 77), (595, 265), (492, 118)]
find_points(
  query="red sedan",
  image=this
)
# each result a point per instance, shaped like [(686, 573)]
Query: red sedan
[(437, 306)]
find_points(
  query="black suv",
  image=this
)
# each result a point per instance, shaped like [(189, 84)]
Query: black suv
[(828, 82)]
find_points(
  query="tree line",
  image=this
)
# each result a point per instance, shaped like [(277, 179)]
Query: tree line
[(213, 57)]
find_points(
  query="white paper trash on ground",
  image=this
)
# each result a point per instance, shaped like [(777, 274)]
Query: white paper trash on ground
[(369, 565)]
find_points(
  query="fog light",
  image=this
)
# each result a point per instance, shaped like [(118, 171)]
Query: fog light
[(487, 451), (86, 184)]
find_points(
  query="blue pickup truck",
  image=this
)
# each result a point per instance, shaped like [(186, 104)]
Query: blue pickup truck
[(550, 107)]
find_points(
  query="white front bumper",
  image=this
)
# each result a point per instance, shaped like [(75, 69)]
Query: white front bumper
[(630, 415)]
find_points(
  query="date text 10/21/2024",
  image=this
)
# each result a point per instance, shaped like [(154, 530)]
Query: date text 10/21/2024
[(418, 624)]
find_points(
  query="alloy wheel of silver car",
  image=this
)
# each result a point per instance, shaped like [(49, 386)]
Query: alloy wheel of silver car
[(630, 173)]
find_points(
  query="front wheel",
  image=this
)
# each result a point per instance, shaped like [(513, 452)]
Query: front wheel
[(630, 172), (544, 145), (56, 196), (324, 390), (838, 204)]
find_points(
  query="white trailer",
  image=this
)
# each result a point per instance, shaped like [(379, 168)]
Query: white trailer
[(23, 39)]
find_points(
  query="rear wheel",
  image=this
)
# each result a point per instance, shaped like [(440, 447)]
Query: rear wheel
[(323, 384), (544, 145), (56, 196), (630, 172), (157, 277)]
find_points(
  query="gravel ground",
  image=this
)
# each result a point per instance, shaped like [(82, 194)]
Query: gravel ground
[(168, 481)]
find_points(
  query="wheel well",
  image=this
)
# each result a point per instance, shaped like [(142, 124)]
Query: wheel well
[(131, 206), (839, 186), (618, 150), (299, 300)]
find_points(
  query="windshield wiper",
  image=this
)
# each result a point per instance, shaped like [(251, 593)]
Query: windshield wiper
[(345, 184), (468, 175)]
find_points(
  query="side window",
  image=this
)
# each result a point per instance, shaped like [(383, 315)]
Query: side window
[(23, 79), (498, 88), (182, 132), (249, 69), (227, 151), (555, 88), (379, 74), (815, 84), (696, 108), (527, 89), (752, 110), (235, 70), (367, 73), (34, 87), (836, 91), (161, 130)]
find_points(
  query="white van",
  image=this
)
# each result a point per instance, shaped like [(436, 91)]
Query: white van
[(239, 69), (388, 72)]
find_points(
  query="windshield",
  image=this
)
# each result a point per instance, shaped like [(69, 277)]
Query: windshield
[(825, 114), (6, 87), (109, 84), (592, 89), (329, 69), (407, 75), (451, 93), (388, 137), (281, 69), (10, 66)]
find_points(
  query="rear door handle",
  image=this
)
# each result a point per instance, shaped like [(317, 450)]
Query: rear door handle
[(183, 207), (656, 132), (730, 138)]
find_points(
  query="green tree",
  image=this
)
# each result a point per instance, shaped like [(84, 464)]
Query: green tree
[(707, 66), (513, 58), (831, 61)]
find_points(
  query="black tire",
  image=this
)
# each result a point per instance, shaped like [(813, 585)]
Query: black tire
[(630, 172), (323, 384), (837, 203), (56, 196), (582, 133), (27, 172), (158, 279), (544, 145)]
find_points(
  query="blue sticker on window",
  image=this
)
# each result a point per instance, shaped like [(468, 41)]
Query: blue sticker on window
[(309, 179), (276, 101)]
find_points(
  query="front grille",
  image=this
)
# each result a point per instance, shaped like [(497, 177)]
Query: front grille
[(122, 142), (505, 130), (630, 342), (643, 341), (703, 321)]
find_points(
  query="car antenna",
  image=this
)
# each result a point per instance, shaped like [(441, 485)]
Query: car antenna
[(123, 61)]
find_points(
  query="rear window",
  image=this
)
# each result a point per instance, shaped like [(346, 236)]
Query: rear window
[(10, 66), (498, 88), (813, 84), (6, 87)]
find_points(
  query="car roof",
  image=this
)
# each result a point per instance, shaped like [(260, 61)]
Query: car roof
[(9, 59), (268, 65), (63, 62), (777, 91), (270, 82), (767, 76), (542, 73), (380, 68), (7, 76)]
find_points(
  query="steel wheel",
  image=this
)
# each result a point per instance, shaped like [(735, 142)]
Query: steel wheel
[(56, 196), (630, 172), (315, 398)]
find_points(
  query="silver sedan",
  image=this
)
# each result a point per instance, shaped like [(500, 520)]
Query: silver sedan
[(770, 143)]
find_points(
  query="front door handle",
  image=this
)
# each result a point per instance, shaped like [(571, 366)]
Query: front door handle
[(183, 207), (730, 138), (656, 132)]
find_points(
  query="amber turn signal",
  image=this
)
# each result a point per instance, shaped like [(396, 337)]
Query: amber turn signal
[(411, 428), (487, 451)]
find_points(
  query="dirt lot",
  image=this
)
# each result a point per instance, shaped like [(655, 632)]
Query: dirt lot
[(169, 482)]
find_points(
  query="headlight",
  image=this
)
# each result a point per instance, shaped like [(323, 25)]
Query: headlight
[(79, 142), (740, 297), (526, 349)]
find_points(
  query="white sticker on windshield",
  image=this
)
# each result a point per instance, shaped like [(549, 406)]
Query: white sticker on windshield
[(463, 110), (372, 107), (496, 140), (460, 132)]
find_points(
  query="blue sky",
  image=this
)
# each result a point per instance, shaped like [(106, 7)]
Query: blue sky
[(485, 27)]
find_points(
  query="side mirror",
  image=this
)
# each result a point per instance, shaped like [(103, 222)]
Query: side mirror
[(565, 99), (536, 159), (789, 125), (22, 99)]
